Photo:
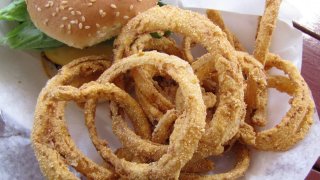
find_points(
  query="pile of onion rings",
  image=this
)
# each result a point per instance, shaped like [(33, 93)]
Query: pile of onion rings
[(183, 109)]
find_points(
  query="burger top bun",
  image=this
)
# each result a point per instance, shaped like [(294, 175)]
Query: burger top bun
[(83, 23)]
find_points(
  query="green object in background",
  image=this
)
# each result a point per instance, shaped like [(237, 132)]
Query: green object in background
[(161, 3), (159, 36), (25, 35), (15, 11)]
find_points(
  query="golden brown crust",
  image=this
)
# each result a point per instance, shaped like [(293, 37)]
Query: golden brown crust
[(80, 23), (187, 23), (189, 125), (204, 32), (55, 156), (216, 18), (297, 121), (265, 30), (243, 161), (183, 137), (162, 131)]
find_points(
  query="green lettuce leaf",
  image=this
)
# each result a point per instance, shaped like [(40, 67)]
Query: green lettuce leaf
[(159, 36), (15, 11), (27, 36), (161, 3)]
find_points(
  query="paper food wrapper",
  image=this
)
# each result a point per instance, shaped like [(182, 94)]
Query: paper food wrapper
[(22, 78)]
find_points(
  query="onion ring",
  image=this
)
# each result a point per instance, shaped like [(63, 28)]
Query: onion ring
[(243, 160), (266, 27), (54, 157), (224, 125), (216, 18), (219, 130), (185, 136), (202, 166), (188, 23), (182, 147), (296, 123), (149, 21), (147, 43), (187, 44), (153, 113), (125, 153), (162, 130), (144, 83), (256, 93), (145, 86), (204, 32)]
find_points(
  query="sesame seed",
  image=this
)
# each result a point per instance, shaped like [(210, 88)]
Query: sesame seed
[(139, 0), (80, 25), (83, 19), (102, 13), (72, 12), (47, 5), (70, 8), (98, 25), (113, 6), (125, 17), (46, 21), (87, 27), (93, 1), (117, 14), (54, 14), (64, 2), (74, 21), (78, 12), (131, 7), (100, 34), (64, 18), (50, 3), (62, 26), (90, 4), (69, 27), (39, 9)]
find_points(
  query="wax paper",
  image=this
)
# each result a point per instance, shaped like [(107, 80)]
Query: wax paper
[(22, 77)]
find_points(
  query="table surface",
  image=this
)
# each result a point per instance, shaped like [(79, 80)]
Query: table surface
[(311, 57)]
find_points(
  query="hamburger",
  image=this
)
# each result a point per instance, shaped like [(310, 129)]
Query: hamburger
[(67, 29)]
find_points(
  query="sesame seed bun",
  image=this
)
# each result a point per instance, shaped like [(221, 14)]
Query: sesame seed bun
[(83, 23)]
